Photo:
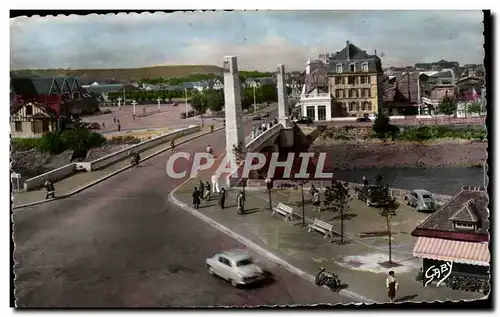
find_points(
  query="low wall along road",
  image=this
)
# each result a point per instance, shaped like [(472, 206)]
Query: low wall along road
[(67, 170), (258, 184)]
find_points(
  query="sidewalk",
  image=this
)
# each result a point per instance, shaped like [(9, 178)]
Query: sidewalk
[(356, 261), (70, 184)]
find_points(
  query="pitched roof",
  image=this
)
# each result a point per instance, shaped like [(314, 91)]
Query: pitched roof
[(46, 109), (467, 213), (469, 202), (351, 51)]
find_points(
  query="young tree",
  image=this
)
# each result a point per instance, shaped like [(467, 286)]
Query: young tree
[(381, 125), (448, 106), (337, 198), (388, 212), (300, 183)]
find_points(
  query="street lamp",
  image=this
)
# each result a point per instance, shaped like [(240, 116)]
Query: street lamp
[(254, 99), (133, 104), (186, 100), (158, 99)]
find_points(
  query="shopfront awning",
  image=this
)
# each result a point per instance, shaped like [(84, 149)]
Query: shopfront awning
[(473, 253)]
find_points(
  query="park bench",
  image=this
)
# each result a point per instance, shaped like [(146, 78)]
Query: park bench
[(323, 227), (284, 210)]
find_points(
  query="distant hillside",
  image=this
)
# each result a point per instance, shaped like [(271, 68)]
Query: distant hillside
[(123, 73)]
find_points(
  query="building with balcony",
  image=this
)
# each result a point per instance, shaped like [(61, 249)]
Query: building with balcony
[(354, 81)]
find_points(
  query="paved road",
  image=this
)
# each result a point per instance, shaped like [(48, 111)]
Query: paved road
[(121, 243)]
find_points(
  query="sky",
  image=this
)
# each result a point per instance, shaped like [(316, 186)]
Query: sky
[(260, 39)]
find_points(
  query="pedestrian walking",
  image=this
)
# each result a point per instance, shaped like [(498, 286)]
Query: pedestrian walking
[(201, 187), (240, 203), (222, 197), (103, 125), (275, 121), (196, 198), (392, 285), (365, 181), (215, 184), (50, 189), (312, 190), (114, 120), (208, 189), (316, 201), (119, 127)]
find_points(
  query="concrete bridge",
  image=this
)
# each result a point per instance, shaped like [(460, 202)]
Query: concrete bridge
[(279, 135)]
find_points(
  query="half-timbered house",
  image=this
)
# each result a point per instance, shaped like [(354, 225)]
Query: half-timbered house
[(32, 119)]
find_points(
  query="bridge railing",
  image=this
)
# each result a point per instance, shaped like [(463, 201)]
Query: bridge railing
[(263, 137)]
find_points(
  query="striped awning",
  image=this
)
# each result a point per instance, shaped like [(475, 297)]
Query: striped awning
[(474, 253)]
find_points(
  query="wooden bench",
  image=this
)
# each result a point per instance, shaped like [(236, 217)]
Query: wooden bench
[(284, 210), (322, 227)]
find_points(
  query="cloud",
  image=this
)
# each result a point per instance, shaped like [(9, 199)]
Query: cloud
[(261, 39)]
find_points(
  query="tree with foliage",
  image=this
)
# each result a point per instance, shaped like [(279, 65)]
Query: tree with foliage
[(215, 99), (337, 199), (448, 106), (388, 212), (381, 125)]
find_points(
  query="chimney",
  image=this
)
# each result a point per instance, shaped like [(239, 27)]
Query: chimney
[(347, 46)]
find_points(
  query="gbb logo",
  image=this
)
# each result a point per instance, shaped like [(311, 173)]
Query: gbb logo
[(439, 273)]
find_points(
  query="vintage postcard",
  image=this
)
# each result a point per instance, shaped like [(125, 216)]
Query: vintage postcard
[(249, 158)]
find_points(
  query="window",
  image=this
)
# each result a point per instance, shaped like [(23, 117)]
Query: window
[(352, 67), (368, 106), (353, 93), (45, 125), (365, 79), (338, 80), (310, 113), (366, 92), (353, 106), (364, 67), (363, 104), (464, 225), (339, 68), (339, 93), (244, 262), (29, 110), (224, 261), (351, 80), (76, 95), (18, 126), (321, 113), (346, 94)]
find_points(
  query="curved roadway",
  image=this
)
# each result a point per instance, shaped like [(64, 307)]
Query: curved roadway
[(122, 244)]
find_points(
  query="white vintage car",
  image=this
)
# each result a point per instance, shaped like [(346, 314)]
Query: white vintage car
[(421, 199), (236, 267)]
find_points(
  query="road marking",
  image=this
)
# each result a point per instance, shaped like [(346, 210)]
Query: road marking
[(250, 244)]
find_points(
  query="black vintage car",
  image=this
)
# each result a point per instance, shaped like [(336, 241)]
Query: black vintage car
[(373, 195)]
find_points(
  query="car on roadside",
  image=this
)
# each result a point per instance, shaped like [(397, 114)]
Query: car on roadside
[(266, 114), (421, 200), (363, 119), (94, 126), (304, 120), (236, 267), (256, 117), (373, 195)]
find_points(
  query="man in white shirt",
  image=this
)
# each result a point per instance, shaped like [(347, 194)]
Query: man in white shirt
[(215, 184)]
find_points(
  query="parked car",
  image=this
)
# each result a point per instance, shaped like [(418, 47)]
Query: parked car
[(236, 267), (94, 126), (304, 120), (266, 114), (421, 199), (373, 195), (175, 104), (256, 117), (363, 119)]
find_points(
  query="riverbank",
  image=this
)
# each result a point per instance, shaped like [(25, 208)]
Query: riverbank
[(372, 153)]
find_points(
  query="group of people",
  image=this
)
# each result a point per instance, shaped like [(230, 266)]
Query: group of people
[(263, 127), (206, 190), (117, 121)]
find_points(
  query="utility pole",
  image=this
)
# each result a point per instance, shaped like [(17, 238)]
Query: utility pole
[(124, 96), (254, 99)]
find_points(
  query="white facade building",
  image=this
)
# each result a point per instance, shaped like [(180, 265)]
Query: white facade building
[(317, 105)]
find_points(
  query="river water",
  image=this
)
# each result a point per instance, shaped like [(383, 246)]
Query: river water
[(438, 180)]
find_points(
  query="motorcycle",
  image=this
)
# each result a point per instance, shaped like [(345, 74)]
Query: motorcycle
[(331, 280)]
